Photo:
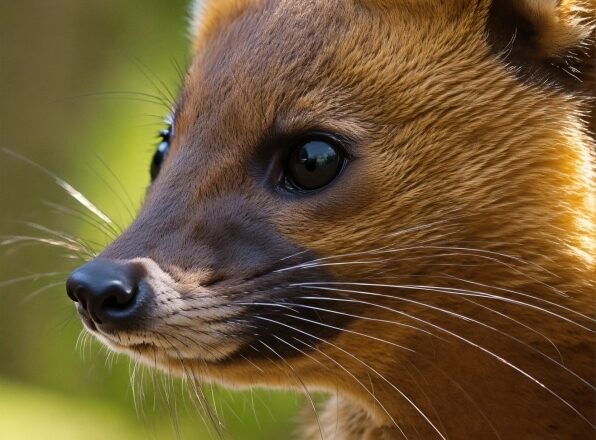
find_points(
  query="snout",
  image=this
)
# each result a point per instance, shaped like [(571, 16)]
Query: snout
[(109, 293)]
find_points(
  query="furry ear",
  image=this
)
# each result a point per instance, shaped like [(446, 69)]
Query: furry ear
[(548, 40)]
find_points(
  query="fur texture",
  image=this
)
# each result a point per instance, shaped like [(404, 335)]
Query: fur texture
[(443, 285)]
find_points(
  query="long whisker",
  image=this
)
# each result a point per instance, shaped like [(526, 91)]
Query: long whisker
[(9, 240), (469, 342), (335, 312), (179, 70), (111, 188), (498, 254), (377, 401), (203, 344), (215, 423), (378, 251), (70, 190), (433, 256), (464, 392), (32, 277), (372, 369), (369, 367), (133, 368), (518, 322), (15, 243), (309, 396), (130, 206), (467, 318), (482, 251), (63, 236), (515, 292), (418, 385), (124, 95), (106, 229), (465, 292), (156, 82), (510, 318)]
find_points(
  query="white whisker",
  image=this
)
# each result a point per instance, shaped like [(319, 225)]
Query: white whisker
[(464, 292), (479, 347), (335, 312), (32, 277), (467, 318), (374, 371), (309, 396), (70, 190), (378, 402), (49, 241), (41, 289)]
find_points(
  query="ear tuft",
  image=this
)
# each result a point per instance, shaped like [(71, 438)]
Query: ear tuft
[(546, 39)]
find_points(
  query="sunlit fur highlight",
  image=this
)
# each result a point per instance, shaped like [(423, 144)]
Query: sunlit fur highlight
[(460, 241), (553, 156)]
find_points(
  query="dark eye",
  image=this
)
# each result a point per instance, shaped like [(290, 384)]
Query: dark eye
[(160, 153), (314, 163)]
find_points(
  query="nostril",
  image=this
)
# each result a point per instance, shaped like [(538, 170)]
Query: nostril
[(113, 303), (118, 297), (106, 290)]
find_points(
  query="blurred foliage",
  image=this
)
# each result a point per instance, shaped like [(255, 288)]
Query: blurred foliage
[(60, 63)]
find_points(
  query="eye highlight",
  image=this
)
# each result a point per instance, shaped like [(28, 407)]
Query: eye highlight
[(314, 163), (159, 156)]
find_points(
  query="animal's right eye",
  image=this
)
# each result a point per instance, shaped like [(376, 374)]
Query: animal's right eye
[(160, 153)]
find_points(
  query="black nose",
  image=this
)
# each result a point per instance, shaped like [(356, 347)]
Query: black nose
[(107, 291)]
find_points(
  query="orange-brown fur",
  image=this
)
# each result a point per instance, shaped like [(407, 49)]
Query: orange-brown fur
[(468, 175)]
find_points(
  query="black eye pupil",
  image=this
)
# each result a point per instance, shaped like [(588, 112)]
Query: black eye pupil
[(314, 164)]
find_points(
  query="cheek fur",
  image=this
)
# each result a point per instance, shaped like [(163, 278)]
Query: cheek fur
[(451, 261)]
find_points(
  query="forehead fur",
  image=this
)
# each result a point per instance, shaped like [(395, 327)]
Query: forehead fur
[(207, 14), (404, 76)]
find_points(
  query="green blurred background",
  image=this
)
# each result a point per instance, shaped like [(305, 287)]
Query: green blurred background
[(60, 61)]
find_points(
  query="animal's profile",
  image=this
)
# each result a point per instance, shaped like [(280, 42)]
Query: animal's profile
[(389, 200)]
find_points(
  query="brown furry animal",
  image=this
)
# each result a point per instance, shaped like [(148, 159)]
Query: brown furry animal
[(389, 200)]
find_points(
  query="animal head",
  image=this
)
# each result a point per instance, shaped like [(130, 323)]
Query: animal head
[(336, 172)]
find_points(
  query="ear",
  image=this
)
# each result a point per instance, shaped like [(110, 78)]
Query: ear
[(205, 15), (547, 40)]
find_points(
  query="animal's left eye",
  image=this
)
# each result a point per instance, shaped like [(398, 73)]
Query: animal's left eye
[(314, 163), (160, 153)]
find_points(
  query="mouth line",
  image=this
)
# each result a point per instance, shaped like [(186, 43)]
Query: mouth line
[(140, 347), (143, 344), (94, 328)]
